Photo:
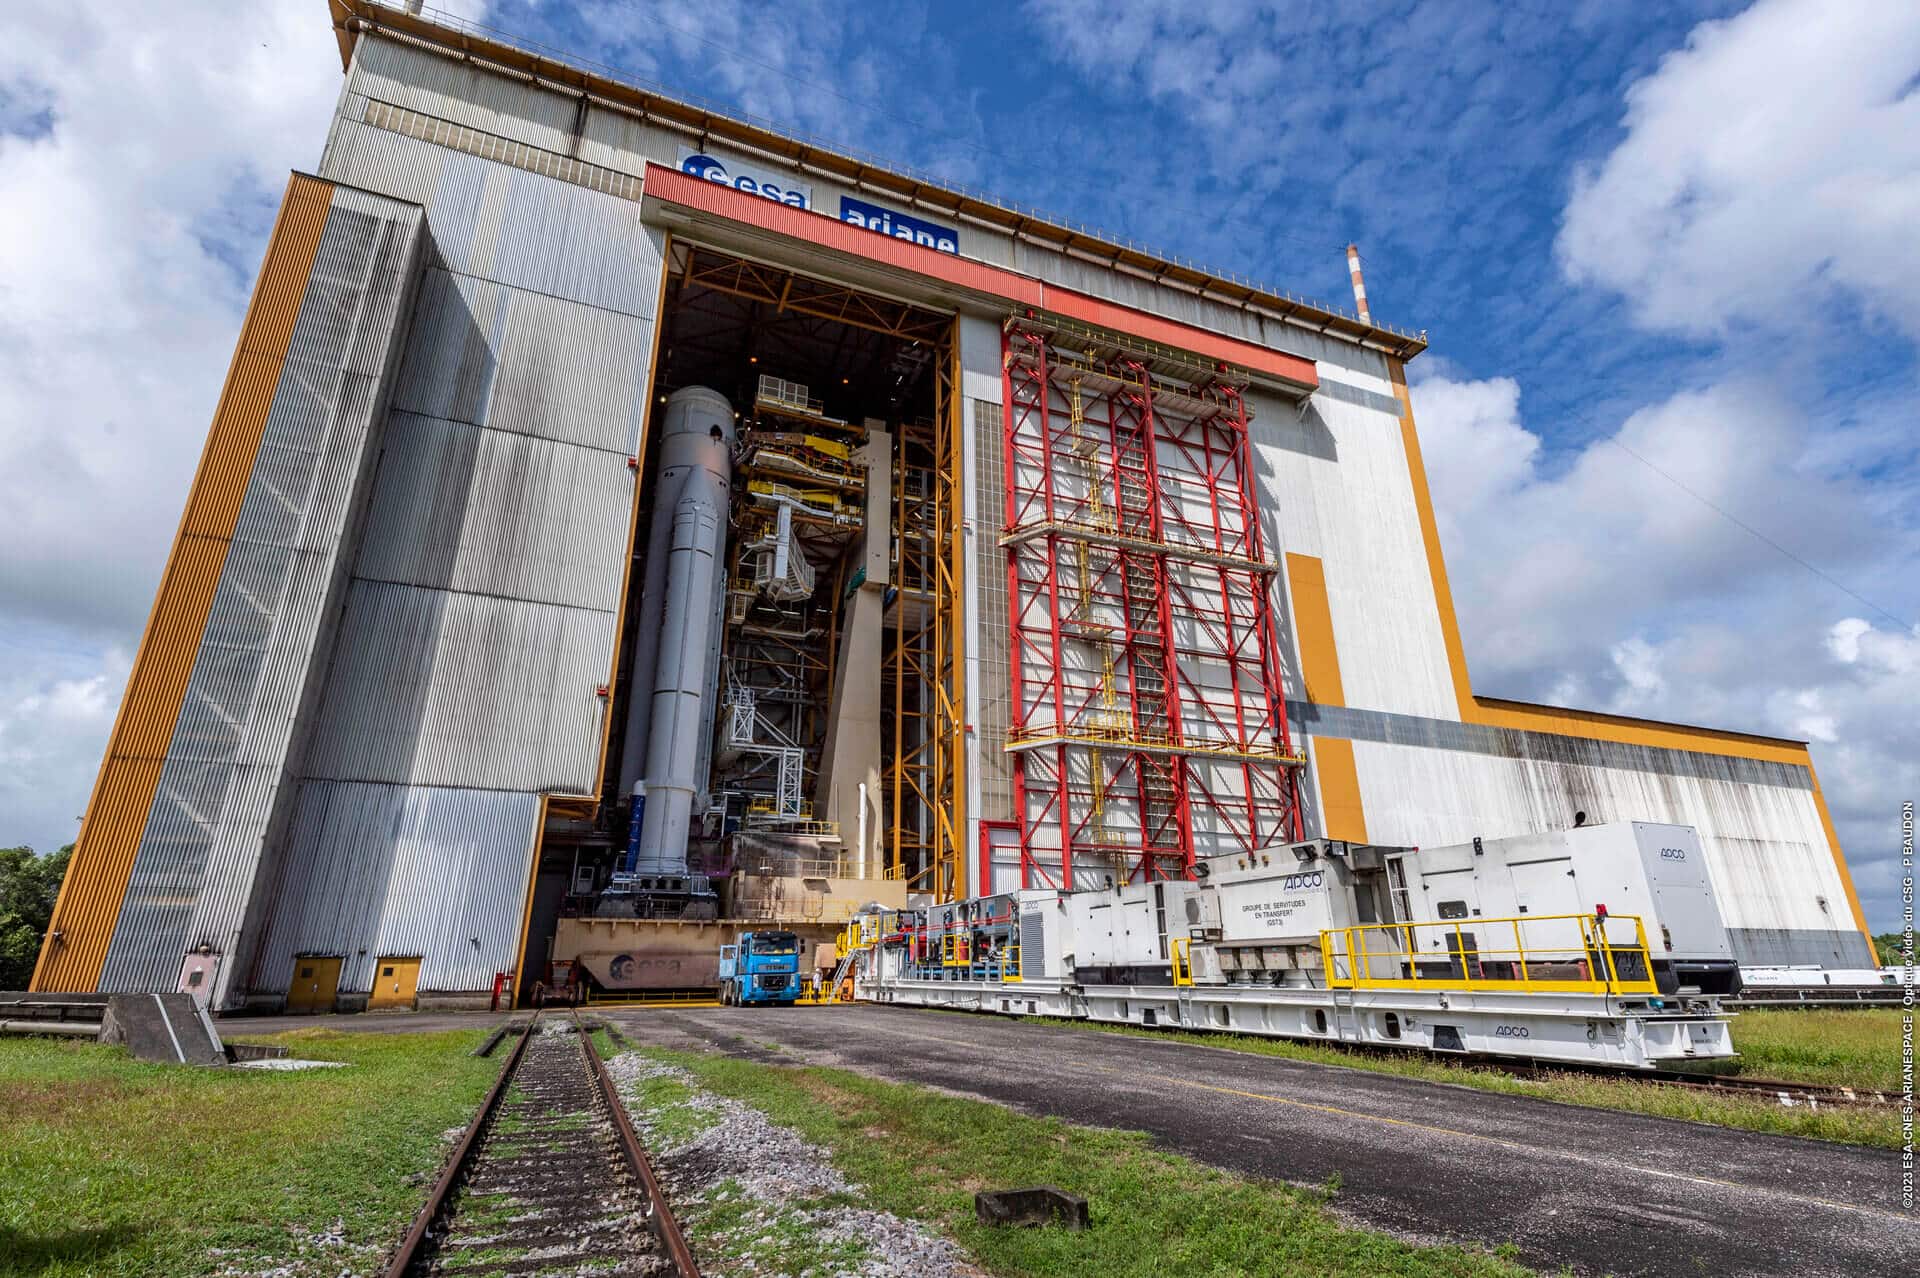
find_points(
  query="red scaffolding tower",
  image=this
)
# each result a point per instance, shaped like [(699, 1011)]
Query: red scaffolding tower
[(1147, 716)]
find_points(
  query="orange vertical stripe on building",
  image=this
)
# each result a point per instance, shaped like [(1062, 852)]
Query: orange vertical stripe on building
[(1430, 535), (1313, 624), (1342, 814), (535, 846), (84, 915)]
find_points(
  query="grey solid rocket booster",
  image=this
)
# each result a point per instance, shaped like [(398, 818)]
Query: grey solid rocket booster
[(676, 666)]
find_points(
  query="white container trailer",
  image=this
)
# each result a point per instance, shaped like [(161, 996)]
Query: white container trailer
[(1639, 868)]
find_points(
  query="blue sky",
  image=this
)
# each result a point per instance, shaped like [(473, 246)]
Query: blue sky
[(1664, 255)]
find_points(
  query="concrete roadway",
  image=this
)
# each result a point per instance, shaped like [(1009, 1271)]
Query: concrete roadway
[(1596, 1191)]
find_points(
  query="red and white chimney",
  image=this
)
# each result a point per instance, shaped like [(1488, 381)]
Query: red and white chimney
[(1359, 285)]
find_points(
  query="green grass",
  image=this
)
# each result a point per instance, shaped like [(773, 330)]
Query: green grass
[(1777, 1046), (113, 1166), (1851, 1048), (924, 1154), (673, 1122)]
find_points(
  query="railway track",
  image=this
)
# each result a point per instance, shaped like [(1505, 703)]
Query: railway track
[(1785, 1092), (549, 1178)]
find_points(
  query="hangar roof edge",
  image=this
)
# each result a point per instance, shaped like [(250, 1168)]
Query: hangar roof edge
[(554, 67)]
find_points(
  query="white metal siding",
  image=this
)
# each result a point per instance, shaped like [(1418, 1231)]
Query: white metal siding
[(377, 870), (1765, 846), (1335, 485), (435, 687), (199, 858), (489, 512)]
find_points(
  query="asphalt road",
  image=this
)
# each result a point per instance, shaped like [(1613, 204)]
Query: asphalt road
[(1596, 1191)]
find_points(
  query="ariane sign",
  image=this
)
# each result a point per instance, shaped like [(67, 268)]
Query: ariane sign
[(900, 226), (782, 189), (771, 186)]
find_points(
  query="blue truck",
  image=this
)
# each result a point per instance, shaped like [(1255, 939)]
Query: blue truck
[(760, 968)]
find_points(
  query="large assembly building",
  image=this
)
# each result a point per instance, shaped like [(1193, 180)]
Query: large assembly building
[(623, 525)]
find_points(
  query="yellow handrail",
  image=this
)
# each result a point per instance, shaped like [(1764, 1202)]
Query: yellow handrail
[(1579, 957), (1180, 949)]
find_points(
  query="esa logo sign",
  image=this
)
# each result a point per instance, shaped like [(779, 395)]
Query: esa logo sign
[(1673, 854), (899, 226), (1311, 879), (770, 186)]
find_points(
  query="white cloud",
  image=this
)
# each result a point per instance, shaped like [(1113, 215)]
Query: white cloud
[(1769, 166), (140, 166), (1598, 583), (809, 67), (1877, 653), (52, 728), (129, 233)]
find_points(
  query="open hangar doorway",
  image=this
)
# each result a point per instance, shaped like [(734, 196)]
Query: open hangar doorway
[(834, 629)]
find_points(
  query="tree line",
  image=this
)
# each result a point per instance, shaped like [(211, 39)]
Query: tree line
[(29, 883)]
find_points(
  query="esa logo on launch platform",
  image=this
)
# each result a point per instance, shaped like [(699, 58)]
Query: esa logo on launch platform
[(770, 186)]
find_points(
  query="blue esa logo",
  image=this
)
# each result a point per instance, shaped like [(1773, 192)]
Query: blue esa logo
[(899, 226), (770, 186)]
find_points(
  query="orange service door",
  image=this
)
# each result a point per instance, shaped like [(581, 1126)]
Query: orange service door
[(394, 980), (315, 983)]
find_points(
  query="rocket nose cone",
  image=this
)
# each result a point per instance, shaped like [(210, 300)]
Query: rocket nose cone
[(699, 410)]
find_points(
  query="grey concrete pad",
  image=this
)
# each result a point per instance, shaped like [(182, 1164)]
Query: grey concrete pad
[(1593, 1190), (162, 1027)]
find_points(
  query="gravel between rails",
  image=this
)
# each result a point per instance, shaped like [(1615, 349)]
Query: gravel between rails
[(783, 1175)]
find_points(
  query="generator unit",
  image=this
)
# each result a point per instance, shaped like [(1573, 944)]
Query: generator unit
[(1651, 871)]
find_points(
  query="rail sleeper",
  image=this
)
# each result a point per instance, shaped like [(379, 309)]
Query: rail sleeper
[(548, 1186)]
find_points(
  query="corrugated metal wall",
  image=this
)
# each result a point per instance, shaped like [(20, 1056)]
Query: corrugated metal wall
[(495, 513), (90, 898), (493, 222), (481, 617), (495, 549), (441, 687), (200, 851), (403, 870)]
